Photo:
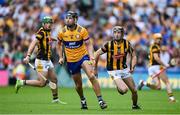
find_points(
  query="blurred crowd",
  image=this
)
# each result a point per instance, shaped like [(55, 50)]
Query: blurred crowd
[(20, 19)]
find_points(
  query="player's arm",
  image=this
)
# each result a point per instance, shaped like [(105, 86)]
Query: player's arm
[(133, 61), (157, 58), (53, 39), (97, 55), (133, 58), (60, 51), (30, 50), (88, 43), (90, 49)]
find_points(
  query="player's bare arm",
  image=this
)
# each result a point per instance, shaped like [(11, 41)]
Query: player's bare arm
[(60, 52), (54, 39), (157, 58), (97, 54), (133, 61), (30, 50), (90, 50)]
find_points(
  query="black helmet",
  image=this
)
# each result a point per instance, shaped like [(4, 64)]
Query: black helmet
[(72, 14)]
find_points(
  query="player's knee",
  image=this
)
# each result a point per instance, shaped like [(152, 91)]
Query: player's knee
[(54, 80), (42, 84), (92, 79), (122, 91)]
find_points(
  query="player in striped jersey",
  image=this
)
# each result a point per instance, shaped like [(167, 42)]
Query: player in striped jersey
[(155, 66), (43, 63), (78, 52), (117, 51)]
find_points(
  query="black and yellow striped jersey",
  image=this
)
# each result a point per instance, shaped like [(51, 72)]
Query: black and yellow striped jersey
[(117, 54), (154, 48), (44, 48)]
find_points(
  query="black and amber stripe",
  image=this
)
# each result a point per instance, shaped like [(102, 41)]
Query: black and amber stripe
[(116, 54), (44, 48), (154, 49)]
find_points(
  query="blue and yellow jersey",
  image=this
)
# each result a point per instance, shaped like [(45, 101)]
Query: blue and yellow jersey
[(155, 48), (74, 43), (44, 48)]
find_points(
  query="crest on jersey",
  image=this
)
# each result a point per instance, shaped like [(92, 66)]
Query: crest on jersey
[(77, 36)]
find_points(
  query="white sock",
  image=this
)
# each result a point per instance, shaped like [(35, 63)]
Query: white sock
[(172, 98)]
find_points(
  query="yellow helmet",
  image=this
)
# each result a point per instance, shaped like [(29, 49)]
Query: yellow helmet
[(157, 36)]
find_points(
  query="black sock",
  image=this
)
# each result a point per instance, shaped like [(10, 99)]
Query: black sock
[(83, 98), (55, 96), (100, 98), (24, 82)]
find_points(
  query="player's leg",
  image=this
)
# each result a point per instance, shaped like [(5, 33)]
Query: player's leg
[(52, 77), (41, 67), (89, 71), (121, 86), (156, 84), (40, 82), (131, 85), (165, 79), (78, 85)]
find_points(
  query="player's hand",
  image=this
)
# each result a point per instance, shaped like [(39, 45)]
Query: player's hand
[(26, 59), (92, 62), (61, 60)]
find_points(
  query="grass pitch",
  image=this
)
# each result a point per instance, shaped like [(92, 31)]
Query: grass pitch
[(32, 100)]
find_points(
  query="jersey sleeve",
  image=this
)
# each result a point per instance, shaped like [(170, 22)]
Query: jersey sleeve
[(60, 36), (155, 49), (130, 47), (39, 35), (105, 47), (85, 34)]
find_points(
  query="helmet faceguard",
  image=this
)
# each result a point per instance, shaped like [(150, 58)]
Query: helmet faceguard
[(46, 22), (118, 33), (71, 15)]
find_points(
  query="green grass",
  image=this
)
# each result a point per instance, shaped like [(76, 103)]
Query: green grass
[(32, 100)]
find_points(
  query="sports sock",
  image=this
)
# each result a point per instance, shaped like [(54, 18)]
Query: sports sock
[(55, 96), (83, 98), (24, 82), (170, 94), (99, 98)]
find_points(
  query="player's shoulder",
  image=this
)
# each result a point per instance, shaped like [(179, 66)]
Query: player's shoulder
[(125, 40), (63, 30), (81, 28), (154, 46), (40, 31)]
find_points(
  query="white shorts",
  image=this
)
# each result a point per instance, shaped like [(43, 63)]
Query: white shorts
[(152, 70), (122, 74), (43, 65)]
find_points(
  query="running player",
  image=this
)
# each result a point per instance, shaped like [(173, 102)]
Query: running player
[(43, 63), (79, 54), (117, 51), (155, 66)]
